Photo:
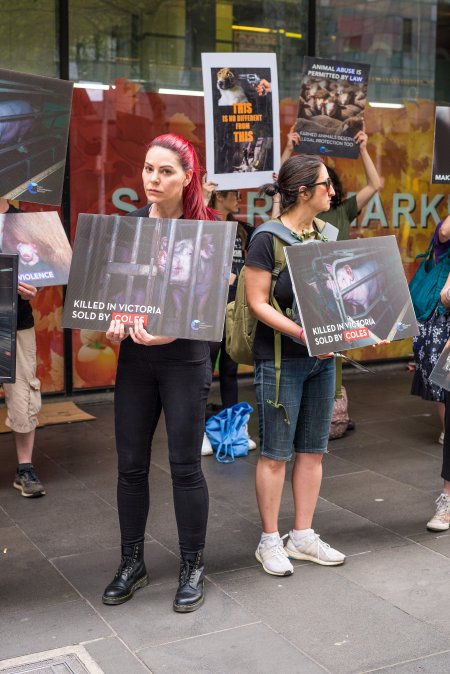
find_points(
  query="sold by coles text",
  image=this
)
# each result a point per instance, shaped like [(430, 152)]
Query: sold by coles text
[(105, 311)]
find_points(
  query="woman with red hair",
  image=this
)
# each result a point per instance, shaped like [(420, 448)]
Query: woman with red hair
[(157, 374)]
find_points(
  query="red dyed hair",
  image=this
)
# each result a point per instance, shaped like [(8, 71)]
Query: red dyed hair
[(194, 207)]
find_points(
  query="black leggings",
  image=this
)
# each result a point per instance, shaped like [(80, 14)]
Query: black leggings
[(142, 390), (227, 373), (446, 448)]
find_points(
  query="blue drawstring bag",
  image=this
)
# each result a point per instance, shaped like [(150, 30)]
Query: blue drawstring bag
[(227, 432)]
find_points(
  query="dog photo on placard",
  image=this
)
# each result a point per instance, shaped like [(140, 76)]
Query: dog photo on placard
[(230, 90), (244, 142)]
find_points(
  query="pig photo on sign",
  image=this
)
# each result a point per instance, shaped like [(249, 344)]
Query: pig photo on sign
[(358, 286), (16, 119), (181, 273)]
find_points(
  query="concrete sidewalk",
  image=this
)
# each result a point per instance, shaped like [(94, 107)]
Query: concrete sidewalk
[(384, 610)]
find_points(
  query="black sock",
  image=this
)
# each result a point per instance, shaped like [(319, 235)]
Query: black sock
[(23, 467)]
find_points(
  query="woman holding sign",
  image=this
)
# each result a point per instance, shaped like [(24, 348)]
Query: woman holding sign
[(162, 373), (307, 385)]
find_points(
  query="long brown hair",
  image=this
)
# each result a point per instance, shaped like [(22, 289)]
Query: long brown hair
[(297, 171)]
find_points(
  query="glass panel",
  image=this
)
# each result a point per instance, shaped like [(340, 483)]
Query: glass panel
[(396, 37), (28, 37), (160, 43)]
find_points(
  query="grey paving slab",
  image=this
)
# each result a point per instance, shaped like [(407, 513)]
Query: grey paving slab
[(27, 578), (5, 520), (114, 658), (390, 503), (434, 664), (228, 651), (91, 572), (412, 578), (341, 625), (47, 626), (439, 542), (405, 464), (75, 518), (350, 533), (149, 618)]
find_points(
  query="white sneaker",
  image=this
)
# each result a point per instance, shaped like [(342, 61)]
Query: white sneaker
[(313, 549), (441, 438), (251, 443), (441, 518), (273, 558), (206, 446)]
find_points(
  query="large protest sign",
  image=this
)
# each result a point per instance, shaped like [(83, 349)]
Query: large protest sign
[(331, 106), (34, 127), (173, 273), (242, 125), (41, 243), (8, 317), (441, 154), (440, 374), (351, 293)]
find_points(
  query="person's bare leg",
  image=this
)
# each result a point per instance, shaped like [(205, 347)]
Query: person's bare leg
[(270, 476), (24, 446), (306, 481)]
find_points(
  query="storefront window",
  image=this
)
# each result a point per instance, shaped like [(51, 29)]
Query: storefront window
[(28, 37), (396, 37)]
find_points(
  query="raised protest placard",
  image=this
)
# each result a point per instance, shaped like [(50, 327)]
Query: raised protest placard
[(441, 154), (242, 125), (351, 293), (331, 106), (42, 245), (440, 374), (34, 127), (8, 317), (172, 273)]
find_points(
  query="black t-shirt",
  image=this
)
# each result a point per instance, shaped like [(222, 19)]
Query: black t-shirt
[(240, 249), (25, 318), (187, 350), (261, 254)]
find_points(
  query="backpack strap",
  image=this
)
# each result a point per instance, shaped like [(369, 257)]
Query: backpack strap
[(281, 237)]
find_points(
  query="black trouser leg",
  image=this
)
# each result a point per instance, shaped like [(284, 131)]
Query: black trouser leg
[(446, 448)]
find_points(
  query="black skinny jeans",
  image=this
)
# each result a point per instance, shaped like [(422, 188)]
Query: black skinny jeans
[(227, 372), (446, 448), (143, 389)]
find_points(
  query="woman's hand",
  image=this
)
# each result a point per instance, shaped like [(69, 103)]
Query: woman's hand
[(324, 356), (115, 332), (26, 291), (139, 335), (293, 138), (361, 138), (208, 188)]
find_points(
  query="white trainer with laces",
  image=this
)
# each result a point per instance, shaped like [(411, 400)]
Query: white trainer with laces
[(251, 443), (274, 560), (313, 549), (441, 518), (206, 446)]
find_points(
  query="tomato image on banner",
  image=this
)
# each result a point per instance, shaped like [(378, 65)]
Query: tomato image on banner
[(95, 360)]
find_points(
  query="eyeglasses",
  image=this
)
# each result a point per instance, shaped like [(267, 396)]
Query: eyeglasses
[(328, 183)]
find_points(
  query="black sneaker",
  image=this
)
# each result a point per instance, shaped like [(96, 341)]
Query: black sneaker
[(28, 483)]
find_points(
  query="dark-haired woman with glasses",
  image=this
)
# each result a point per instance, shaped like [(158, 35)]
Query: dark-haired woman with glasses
[(307, 384)]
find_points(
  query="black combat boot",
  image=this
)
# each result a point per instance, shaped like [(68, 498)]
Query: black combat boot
[(191, 592), (130, 576)]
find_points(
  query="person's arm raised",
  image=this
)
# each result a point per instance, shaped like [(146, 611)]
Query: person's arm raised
[(373, 179)]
